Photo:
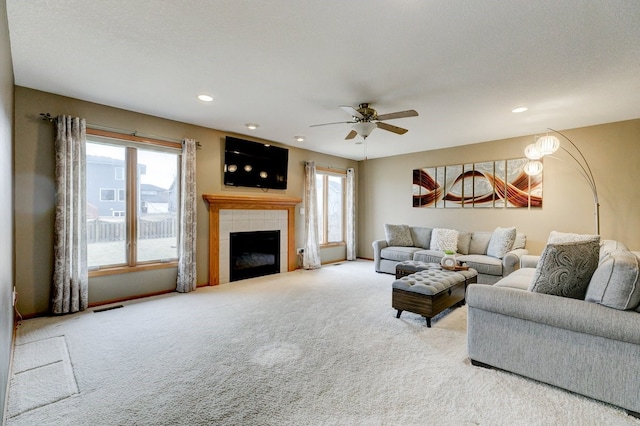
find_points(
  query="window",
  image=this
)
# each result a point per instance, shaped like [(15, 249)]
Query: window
[(330, 187), (107, 194), (136, 223)]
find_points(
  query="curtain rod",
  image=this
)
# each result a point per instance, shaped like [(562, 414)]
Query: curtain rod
[(329, 168), (48, 117)]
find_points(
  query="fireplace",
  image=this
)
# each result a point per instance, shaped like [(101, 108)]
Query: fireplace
[(253, 254), (223, 220)]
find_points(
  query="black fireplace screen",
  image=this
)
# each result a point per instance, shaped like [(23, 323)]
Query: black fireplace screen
[(254, 254)]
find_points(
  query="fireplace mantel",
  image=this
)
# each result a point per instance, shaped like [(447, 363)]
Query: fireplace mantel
[(246, 202)]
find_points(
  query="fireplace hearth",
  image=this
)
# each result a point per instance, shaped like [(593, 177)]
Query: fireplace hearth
[(254, 254)]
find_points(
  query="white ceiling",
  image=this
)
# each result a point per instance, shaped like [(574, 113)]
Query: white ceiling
[(285, 64)]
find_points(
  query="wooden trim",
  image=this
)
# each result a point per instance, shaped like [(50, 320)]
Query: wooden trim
[(133, 138), (126, 269), (247, 202)]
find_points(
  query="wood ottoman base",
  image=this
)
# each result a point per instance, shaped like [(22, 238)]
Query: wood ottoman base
[(430, 305)]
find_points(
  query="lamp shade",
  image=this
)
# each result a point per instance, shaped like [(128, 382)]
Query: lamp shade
[(547, 145), (364, 129), (533, 168), (531, 152)]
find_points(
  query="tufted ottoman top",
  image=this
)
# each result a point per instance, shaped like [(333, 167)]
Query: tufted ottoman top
[(430, 281)]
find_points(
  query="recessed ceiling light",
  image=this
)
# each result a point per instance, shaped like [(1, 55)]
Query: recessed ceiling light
[(299, 138), (205, 98), (519, 109), (252, 126)]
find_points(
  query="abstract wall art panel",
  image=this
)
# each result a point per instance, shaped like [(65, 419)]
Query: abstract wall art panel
[(453, 189), (489, 184)]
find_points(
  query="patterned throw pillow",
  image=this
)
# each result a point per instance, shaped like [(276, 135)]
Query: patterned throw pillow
[(444, 239), (501, 242), (398, 235), (566, 269), (616, 281)]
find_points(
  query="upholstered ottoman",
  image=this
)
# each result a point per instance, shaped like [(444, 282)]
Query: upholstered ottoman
[(431, 291), (409, 267)]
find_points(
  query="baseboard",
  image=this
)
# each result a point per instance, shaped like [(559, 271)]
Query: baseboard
[(5, 403)]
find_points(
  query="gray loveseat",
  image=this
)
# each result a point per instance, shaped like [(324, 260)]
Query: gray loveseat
[(471, 247), (589, 346)]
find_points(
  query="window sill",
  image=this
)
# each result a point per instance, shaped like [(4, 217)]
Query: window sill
[(329, 245), (116, 270)]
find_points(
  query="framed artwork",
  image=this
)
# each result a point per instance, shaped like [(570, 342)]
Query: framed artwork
[(488, 184)]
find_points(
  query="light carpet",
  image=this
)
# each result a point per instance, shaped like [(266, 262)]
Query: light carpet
[(298, 348)]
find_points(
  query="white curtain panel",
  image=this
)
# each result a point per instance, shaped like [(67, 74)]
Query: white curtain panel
[(187, 246), (351, 215), (70, 291), (311, 256)]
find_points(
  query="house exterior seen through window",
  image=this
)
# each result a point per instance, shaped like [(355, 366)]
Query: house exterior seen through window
[(132, 204), (330, 190)]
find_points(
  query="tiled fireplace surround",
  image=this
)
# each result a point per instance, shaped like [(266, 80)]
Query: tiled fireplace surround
[(234, 213)]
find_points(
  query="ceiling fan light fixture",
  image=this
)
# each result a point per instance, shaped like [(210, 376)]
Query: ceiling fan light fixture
[(364, 128)]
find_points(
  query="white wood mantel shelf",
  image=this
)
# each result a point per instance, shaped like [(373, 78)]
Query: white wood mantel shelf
[(246, 202)]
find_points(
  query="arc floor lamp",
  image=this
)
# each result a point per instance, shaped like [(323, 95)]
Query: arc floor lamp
[(547, 145)]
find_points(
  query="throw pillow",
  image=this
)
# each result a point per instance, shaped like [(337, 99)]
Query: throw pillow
[(566, 269), (616, 281), (398, 235), (501, 242), (556, 237), (464, 241), (421, 236), (520, 242), (444, 239), (479, 242)]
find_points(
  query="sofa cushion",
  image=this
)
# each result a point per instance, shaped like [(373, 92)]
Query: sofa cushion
[(444, 239), (398, 235), (608, 246), (479, 242), (556, 237), (616, 281), (501, 242), (520, 279), (565, 269), (482, 263), (428, 256), (464, 240), (520, 242), (399, 254), (421, 236)]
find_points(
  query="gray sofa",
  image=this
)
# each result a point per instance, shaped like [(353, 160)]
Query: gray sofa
[(589, 346), (472, 248)]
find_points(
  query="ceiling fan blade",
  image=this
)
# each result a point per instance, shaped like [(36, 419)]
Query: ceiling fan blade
[(399, 114), (391, 128), (352, 134), (337, 122), (351, 110)]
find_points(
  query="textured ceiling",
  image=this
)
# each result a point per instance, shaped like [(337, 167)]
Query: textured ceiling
[(286, 65)]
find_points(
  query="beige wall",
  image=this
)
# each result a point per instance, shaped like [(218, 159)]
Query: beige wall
[(34, 194), (612, 150), (6, 205)]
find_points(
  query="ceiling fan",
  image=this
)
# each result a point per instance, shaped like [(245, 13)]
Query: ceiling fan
[(365, 119)]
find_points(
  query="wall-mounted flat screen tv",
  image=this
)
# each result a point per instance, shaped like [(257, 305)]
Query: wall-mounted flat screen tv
[(255, 164)]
